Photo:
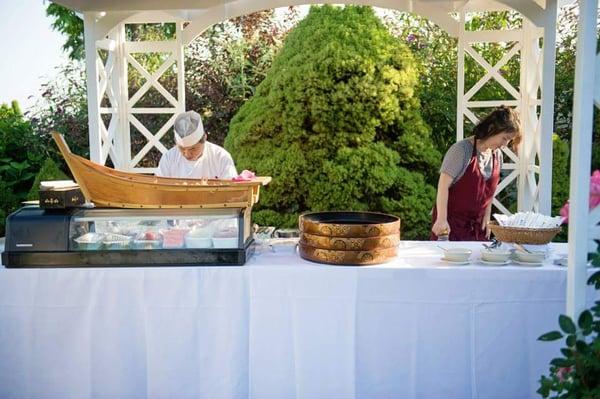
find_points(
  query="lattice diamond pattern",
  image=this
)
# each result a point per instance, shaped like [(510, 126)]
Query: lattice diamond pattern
[(106, 72), (530, 117), (152, 80)]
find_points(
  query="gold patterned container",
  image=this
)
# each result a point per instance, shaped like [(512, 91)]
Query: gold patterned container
[(347, 257), (349, 238), (350, 244), (349, 224)]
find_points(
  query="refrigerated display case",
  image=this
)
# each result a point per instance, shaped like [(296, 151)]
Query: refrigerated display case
[(127, 237)]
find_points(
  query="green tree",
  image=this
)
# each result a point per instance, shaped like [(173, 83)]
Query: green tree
[(337, 124), (70, 25), (48, 171), (21, 154)]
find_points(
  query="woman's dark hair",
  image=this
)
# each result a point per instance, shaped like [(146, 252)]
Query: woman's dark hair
[(502, 120)]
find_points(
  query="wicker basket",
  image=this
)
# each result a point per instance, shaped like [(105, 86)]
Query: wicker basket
[(522, 235)]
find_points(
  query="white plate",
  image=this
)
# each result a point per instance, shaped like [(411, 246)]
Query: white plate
[(530, 264), (487, 262), (453, 262)]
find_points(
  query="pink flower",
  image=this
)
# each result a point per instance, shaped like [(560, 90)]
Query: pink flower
[(563, 372), (594, 196), (564, 212)]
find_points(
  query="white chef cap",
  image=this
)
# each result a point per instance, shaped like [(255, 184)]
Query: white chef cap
[(188, 129)]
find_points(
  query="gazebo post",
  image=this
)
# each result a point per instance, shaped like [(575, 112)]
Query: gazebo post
[(120, 84), (548, 59), (531, 60), (91, 67), (581, 154), (460, 78)]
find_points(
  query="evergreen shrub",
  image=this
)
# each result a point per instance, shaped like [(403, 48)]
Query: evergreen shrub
[(337, 125)]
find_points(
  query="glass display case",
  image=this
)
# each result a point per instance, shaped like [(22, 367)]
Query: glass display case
[(152, 229), (99, 237)]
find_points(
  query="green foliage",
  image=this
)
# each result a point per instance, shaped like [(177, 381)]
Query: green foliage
[(411, 198), (337, 124), (49, 171), (8, 203), (71, 26), (63, 108), (226, 64), (577, 373), (21, 153), (565, 74), (560, 180), (437, 53)]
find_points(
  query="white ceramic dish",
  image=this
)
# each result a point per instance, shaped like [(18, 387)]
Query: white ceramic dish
[(200, 232), (495, 255), (529, 264), (535, 257), (492, 263), (454, 262), (89, 241), (198, 242), (146, 244), (225, 242), (457, 254)]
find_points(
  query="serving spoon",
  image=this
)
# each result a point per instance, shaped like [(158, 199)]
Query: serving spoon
[(522, 248)]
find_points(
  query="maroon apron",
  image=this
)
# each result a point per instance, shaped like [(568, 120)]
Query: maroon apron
[(468, 199)]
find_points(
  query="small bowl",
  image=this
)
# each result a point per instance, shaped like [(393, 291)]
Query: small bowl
[(534, 257), (225, 242), (89, 241), (200, 232), (198, 242), (116, 245), (457, 254), (495, 255), (146, 244)]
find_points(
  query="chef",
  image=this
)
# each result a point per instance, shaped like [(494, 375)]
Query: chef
[(193, 157)]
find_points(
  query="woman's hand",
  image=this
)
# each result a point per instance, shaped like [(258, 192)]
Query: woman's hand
[(441, 227), (486, 221), (486, 227)]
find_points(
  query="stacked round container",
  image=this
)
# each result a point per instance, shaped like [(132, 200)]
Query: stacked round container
[(349, 238)]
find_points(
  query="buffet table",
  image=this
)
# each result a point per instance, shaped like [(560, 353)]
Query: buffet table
[(281, 327)]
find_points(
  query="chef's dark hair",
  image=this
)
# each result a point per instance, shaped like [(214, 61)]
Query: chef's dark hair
[(502, 120)]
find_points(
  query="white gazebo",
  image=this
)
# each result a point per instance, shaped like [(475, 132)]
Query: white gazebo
[(534, 44)]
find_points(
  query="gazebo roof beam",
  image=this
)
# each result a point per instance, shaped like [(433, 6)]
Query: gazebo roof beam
[(148, 5), (149, 17), (137, 5), (207, 18)]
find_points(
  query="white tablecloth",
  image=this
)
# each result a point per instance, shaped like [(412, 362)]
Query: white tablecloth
[(280, 327)]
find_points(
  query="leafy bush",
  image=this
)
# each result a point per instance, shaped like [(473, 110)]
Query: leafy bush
[(49, 171), (8, 203), (63, 108), (21, 154), (226, 64), (560, 180), (336, 120), (576, 374)]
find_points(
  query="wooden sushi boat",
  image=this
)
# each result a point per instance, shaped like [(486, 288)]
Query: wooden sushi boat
[(108, 187)]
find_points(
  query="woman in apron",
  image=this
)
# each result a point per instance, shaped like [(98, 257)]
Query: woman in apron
[(469, 176)]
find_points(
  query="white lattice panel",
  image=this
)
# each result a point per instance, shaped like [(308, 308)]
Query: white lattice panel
[(112, 91), (521, 167), (174, 51), (108, 88)]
